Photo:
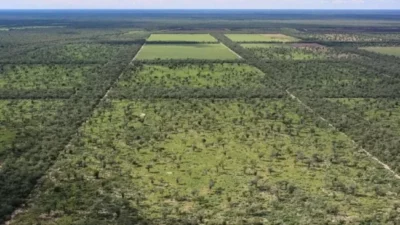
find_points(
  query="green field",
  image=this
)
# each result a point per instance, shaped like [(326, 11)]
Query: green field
[(181, 38), (395, 51), (261, 38), (186, 51), (222, 160)]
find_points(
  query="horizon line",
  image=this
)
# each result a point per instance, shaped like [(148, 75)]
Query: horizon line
[(183, 9)]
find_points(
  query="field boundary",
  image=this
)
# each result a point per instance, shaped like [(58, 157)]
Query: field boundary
[(293, 97), (385, 166), (20, 209), (239, 56), (137, 54)]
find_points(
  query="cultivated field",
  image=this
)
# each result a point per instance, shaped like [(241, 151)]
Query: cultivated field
[(186, 51), (243, 38), (395, 51), (181, 38)]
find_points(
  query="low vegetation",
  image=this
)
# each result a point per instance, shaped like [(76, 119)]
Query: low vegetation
[(395, 51)]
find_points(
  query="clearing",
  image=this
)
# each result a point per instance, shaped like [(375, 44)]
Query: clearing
[(393, 50), (181, 38), (186, 51)]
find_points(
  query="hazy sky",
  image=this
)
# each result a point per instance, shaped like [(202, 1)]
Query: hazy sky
[(200, 4)]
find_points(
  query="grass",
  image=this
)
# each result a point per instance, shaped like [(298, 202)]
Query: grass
[(395, 51), (226, 160), (261, 38), (186, 51), (31, 77), (181, 38)]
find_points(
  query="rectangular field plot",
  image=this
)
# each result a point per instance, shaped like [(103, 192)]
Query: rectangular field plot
[(243, 38), (194, 80), (186, 51), (169, 159), (395, 51), (73, 53), (181, 38), (19, 118), (294, 52), (43, 77), (334, 80)]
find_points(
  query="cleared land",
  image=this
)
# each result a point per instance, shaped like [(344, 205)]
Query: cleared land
[(219, 160), (395, 51), (261, 38), (181, 38), (186, 51)]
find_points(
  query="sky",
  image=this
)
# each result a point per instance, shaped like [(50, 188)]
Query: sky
[(199, 4)]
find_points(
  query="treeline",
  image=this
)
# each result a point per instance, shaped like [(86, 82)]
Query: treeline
[(36, 93), (188, 92)]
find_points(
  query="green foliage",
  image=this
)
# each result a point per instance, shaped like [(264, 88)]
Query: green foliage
[(73, 53), (215, 160), (181, 80)]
